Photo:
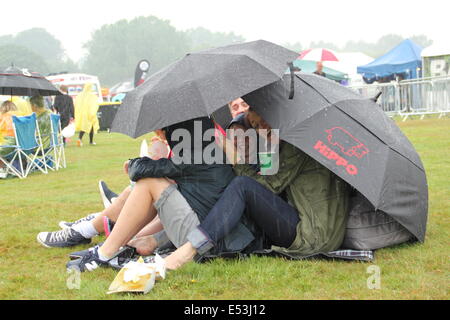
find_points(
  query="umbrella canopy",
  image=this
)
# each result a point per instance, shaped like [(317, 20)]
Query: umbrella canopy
[(200, 83), (353, 138), (18, 82), (318, 54)]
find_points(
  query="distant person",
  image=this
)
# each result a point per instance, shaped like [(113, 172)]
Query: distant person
[(319, 67), (86, 107), (43, 119), (64, 106)]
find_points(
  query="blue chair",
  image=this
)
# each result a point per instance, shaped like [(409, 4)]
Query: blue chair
[(55, 156), (28, 145)]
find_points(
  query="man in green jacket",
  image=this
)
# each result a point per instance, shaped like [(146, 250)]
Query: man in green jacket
[(311, 221), (320, 197)]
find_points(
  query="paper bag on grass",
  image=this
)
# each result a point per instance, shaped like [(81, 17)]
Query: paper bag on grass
[(138, 276)]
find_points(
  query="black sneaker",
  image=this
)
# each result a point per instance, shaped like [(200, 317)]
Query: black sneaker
[(80, 254), (106, 194), (89, 261), (62, 238), (66, 224)]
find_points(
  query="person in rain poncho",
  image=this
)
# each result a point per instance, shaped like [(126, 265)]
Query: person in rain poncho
[(86, 107), (23, 106)]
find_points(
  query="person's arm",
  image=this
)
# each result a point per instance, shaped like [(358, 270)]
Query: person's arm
[(291, 161), (153, 227), (139, 168), (55, 105)]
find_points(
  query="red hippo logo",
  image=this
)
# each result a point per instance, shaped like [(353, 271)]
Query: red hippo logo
[(348, 144)]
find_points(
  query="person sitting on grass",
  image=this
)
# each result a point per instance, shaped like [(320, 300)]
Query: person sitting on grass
[(179, 206), (43, 119), (94, 224), (84, 229), (102, 222), (312, 219), (7, 110)]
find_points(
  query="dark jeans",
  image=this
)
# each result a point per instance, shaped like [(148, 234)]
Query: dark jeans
[(271, 214)]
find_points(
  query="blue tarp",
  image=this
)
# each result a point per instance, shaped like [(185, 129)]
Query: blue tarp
[(403, 60)]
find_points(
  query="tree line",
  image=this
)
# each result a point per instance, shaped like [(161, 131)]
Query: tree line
[(113, 50)]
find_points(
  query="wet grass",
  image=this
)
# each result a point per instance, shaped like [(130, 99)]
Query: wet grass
[(30, 271)]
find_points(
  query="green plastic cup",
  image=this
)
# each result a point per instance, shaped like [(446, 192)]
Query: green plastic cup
[(265, 162)]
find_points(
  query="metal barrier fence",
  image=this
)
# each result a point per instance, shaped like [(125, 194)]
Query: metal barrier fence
[(411, 97)]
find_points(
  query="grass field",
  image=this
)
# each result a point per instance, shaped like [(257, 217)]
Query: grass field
[(38, 203)]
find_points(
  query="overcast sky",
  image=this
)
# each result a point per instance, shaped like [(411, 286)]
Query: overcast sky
[(278, 21)]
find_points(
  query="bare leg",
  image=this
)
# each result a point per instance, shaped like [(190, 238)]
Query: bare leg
[(113, 211), (181, 256), (153, 227), (135, 214)]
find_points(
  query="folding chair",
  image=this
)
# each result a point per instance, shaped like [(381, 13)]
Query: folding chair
[(11, 160), (55, 153), (29, 144)]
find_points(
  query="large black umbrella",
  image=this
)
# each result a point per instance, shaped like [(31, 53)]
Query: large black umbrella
[(353, 138), (17, 82), (200, 83)]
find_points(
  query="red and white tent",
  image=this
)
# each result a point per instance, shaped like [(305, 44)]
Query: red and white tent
[(318, 54)]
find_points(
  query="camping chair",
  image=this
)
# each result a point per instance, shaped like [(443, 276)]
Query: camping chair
[(11, 160), (29, 145), (54, 154)]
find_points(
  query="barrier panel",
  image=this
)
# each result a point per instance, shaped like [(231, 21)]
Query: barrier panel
[(411, 97)]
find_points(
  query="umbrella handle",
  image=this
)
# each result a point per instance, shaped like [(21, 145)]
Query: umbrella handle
[(291, 70)]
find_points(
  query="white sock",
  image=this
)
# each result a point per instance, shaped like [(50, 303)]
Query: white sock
[(86, 228), (101, 256)]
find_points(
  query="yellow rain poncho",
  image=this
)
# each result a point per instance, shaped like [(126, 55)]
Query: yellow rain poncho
[(86, 107)]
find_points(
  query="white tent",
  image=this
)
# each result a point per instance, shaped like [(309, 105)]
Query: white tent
[(348, 63), (436, 50), (436, 60)]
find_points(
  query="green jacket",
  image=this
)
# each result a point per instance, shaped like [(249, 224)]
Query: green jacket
[(43, 120), (320, 197)]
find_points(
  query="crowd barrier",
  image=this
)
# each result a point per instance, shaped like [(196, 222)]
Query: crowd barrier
[(407, 98)]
